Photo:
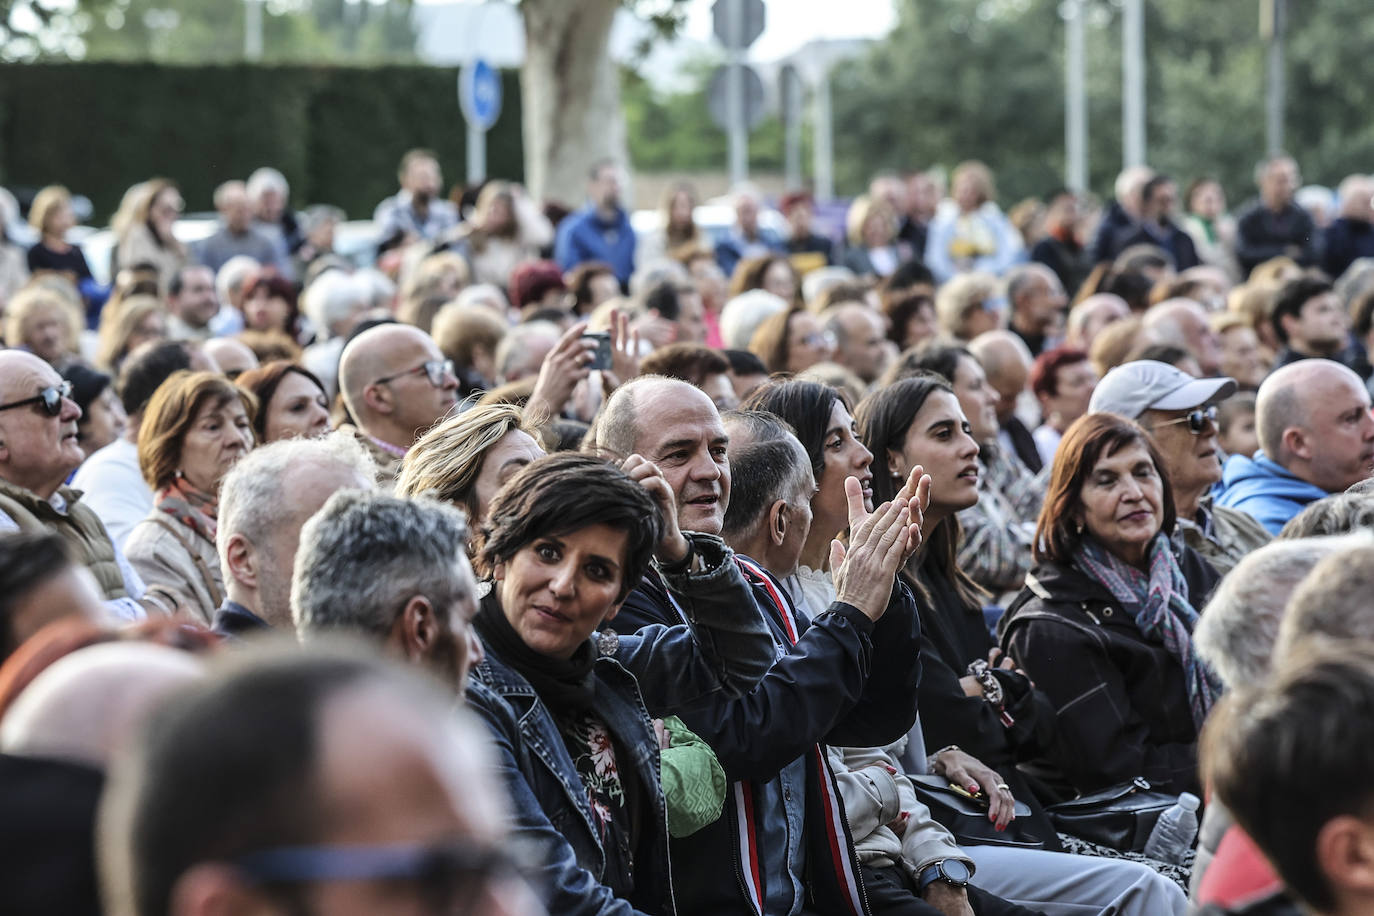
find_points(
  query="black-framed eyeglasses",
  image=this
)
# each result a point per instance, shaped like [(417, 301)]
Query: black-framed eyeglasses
[(437, 370), (449, 875), (1197, 420), (50, 398)]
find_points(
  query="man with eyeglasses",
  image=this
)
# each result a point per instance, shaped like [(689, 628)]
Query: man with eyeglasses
[(396, 384), (308, 781), (38, 450), (1180, 413)]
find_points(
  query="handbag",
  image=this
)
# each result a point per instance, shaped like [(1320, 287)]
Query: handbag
[(966, 817), (1121, 816)]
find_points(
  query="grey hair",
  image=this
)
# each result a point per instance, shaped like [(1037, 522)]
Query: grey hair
[(365, 554), (317, 215), (742, 315), (822, 279), (333, 297), (252, 499), (662, 270), (1020, 276), (267, 179), (1333, 601), (617, 426), (515, 345), (231, 274), (1341, 513), (380, 287), (1236, 633), (488, 294)]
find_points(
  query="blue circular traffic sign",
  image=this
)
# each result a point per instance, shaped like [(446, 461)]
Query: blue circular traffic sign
[(479, 94)]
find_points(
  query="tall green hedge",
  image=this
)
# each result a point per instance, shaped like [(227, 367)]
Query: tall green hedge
[(337, 133)]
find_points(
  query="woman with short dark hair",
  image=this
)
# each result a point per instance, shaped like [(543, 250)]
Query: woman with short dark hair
[(564, 543), (1104, 624)]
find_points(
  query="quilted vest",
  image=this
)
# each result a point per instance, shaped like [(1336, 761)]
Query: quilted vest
[(79, 527)]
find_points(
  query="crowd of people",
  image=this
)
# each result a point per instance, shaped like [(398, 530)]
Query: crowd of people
[(543, 565)]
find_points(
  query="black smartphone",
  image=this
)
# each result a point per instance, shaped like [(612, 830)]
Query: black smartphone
[(602, 359)]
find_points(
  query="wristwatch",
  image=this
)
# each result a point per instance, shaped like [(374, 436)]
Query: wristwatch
[(951, 871)]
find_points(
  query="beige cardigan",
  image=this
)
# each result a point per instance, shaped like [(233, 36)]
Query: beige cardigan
[(168, 554)]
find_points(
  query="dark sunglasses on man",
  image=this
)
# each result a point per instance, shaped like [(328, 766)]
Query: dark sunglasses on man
[(1197, 420), (50, 398)]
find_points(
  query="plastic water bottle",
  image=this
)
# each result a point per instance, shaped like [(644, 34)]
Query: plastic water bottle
[(1174, 831)]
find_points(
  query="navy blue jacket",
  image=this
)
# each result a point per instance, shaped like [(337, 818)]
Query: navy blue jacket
[(846, 681), (1345, 241)]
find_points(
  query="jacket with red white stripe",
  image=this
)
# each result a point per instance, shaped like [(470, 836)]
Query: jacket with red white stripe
[(839, 679)]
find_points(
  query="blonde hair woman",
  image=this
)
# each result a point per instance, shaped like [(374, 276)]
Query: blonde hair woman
[(125, 325), (504, 230), (51, 214), (466, 458), (145, 232), (44, 322), (871, 230), (970, 232)]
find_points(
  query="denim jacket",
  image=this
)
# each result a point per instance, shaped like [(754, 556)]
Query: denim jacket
[(720, 652)]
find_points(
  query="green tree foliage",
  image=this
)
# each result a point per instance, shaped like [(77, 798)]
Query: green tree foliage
[(983, 79), (960, 79), (673, 132), (336, 132), (209, 31)]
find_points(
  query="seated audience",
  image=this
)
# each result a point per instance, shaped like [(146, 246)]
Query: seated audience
[(102, 415), (698, 365), (1062, 380), (1180, 414), (41, 582), (38, 451), (467, 459), (1309, 724), (396, 384), (264, 501), (369, 793), (1316, 436), (791, 341), (196, 426), (1120, 679), (291, 402)]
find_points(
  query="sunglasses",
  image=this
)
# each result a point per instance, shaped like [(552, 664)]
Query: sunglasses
[(437, 370), (50, 398), (1197, 420), (450, 875)]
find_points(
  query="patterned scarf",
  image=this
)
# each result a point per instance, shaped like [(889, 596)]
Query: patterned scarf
[(189, 506), (1159, 605)]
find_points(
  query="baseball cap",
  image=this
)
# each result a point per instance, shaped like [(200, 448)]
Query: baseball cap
[(1146, 384)]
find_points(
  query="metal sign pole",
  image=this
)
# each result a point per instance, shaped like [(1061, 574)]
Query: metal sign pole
[(739, 131)]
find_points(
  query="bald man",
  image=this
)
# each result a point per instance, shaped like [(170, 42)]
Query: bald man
[(233, 356), (382, 788), (1006, 360), (84, 705), (396, 384), (1183, 322), (38, 450), (1316, 437)]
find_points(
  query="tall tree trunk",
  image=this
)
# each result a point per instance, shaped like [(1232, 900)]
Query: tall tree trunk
[(570, 94)]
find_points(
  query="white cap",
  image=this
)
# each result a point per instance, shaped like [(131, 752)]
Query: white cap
[(1145, 384)]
